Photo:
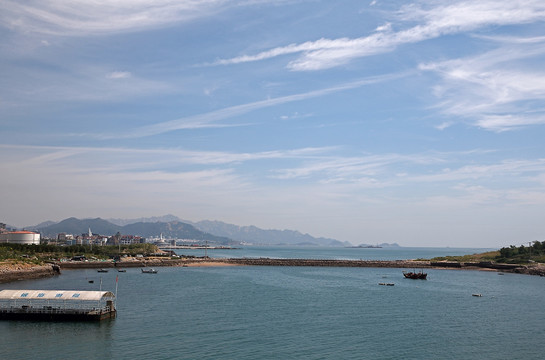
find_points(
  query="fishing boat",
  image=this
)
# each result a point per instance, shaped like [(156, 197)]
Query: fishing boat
[(102, 270), (121, 270), (415, 275), (149, 271)]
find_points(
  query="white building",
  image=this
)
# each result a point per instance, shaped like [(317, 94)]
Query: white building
[(20, 237)]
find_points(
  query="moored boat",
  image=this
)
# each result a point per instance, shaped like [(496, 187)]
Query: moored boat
[(149, 271), (415, 275)]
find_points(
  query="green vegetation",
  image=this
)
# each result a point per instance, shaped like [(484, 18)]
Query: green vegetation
[(507, 255), (38, 254), (487, 256), (523, 254)]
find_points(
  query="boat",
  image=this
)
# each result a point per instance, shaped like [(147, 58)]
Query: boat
[(102, 270), (477, 295), (415, 275), (121, 270), (149, 271)]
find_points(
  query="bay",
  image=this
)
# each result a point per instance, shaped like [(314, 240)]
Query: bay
[(293, 313), (334, 253)]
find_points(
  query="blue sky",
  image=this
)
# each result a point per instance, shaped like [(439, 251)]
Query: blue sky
[(420, 122)]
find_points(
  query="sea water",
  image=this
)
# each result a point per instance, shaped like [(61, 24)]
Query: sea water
[(334, 253), (292, 313)]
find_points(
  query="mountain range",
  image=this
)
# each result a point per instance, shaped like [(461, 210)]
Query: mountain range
[(172, 227)]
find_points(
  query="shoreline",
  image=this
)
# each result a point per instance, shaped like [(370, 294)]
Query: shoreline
[(16, 272)]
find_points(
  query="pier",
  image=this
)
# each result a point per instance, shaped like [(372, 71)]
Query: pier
[(57, 305)]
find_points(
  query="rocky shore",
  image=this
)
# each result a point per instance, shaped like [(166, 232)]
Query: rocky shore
[(14, 272)]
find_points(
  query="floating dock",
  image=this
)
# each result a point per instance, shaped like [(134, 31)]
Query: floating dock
[(57, 305)]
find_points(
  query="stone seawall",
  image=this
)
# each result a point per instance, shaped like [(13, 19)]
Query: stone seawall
[(330, 263)]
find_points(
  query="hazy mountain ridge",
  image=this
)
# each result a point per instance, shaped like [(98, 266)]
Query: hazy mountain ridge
[(254, 235), (173, 227), (165, 218)]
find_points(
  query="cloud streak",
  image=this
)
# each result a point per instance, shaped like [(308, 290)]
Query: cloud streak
[(497, 90), (84, 17), (439, 20), (314, 166), (210, 119)]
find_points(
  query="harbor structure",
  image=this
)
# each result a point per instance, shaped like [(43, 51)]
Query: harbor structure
[(57, 305), (20, 237)]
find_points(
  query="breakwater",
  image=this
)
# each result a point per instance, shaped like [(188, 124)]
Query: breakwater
[(422, 264), (330, 263), (35, 272)]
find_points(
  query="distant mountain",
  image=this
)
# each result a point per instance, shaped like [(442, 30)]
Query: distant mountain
[(41, 225), (164, 218), (174, 229), (77, 227), (257, 236)]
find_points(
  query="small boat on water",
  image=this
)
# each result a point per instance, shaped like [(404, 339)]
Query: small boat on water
[(102, 270), (415, 275), (121, 270), (149, 271), (387, 284), (477, 295)]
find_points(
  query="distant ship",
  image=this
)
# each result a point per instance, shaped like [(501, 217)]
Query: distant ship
[(415, 275)]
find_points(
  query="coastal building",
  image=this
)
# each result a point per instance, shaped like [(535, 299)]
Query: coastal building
[(57, 305), (20, 237)]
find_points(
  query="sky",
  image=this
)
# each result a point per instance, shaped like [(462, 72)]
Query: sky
[(415, 122)]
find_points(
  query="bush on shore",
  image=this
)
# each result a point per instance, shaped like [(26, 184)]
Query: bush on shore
[(38, 254)]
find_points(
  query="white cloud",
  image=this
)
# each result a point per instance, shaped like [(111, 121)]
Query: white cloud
[(84, 17), (433, 21), (385, 27), (497, 90), (119, 75)]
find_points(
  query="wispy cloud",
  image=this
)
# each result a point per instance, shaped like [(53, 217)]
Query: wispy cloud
[(314, 165), (82, 82), (497, 90), (84, 17), (210, 119), (119, 75), (433, 21), (138, 158)]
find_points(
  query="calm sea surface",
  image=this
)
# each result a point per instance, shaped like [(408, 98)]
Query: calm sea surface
[(295, 313), (301, 252)]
